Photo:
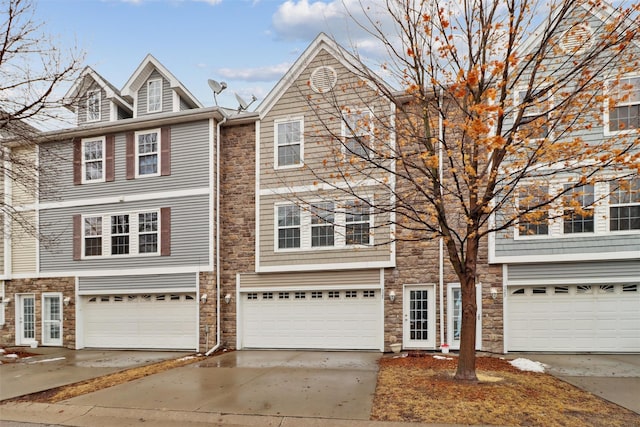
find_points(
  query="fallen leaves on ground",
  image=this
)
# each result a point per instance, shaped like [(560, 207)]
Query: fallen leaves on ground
[(420, 388)]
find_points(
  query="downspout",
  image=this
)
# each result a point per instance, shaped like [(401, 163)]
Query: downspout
[(441, 241), (218, 326)]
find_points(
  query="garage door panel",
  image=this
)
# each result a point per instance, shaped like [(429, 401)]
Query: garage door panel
[(587, 318)]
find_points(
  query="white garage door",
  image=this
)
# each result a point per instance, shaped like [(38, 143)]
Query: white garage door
[(576, 318), (337, 320), (156, 321)]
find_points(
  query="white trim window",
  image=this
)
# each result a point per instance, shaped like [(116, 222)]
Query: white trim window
[(536, 115), (322, 224), (357, 223), (154, 96), (624, 205), (93, 105), (120, 238), (532, 221), (622, 109), (148, 232), (574, 221), (147, 153), (288, 224), (92, 240), (93, 150), (289, 139), (357, 133)]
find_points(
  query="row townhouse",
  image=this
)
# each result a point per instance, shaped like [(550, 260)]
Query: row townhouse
[(182, 227)]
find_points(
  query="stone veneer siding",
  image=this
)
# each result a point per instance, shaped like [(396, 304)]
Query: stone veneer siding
[(207, 310), (64, 285)]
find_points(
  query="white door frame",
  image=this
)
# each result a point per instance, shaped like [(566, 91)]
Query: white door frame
[(453, 343), (55, 322), (430, 341), (20, 329)]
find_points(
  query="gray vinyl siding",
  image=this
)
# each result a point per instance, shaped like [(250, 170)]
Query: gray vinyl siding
[(189, 167), (312, 280), (167, 95), (560, 273), (568, 245), (189, 236), (132, 284), (184, 105), (123, 114)]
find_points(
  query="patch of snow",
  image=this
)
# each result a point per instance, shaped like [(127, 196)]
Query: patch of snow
[(47, 360), (2, 350), (528, 365), (11, 356), (400, 356), (435, 356), (187, 358)]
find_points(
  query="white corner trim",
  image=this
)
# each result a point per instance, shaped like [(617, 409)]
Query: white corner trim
[(257, 199)]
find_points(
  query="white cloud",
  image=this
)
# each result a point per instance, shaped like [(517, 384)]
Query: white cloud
[(259, 74)]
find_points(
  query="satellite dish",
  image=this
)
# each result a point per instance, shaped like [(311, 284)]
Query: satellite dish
[(243, 105), (216, 88)]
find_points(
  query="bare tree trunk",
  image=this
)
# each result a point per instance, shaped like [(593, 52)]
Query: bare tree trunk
[(466, 370)]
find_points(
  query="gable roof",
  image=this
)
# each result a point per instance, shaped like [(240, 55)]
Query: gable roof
[(144, 70), (321, 42), (81, 84)]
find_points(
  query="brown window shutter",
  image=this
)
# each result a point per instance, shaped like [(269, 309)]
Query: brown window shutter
[(165, 151), (109, 163), (77, 237), (77, 162), (165, 231), (131, 156)]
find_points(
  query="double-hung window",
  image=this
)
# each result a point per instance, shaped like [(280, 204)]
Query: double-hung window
[(581, 221), (624, 205), (154, 96), (289, 142), (93, 150), (120, 235), (147, 153), (288, 227), (93, 106), (533, 220), (624, 105), (357, 223), (148, 232), (535, 116), (357, 131), (322, 224), (93, 236)]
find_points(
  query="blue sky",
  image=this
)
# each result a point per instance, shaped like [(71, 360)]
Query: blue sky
[(248, 43)]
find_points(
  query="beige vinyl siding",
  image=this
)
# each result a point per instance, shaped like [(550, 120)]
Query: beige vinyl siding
[(23, 187), (23, 243), (312, 280), (270, 257)]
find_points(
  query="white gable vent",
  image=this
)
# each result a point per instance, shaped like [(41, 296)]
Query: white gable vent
[(577, 39), (323, 79)]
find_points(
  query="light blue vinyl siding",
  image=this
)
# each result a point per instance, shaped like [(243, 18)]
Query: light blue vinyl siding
[(560, 273), (189, 236), (184, 282), (167, 96), (189, 167), (567, 245)]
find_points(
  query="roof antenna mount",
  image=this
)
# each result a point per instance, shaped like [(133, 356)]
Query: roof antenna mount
[(242, 104), (216, 88)]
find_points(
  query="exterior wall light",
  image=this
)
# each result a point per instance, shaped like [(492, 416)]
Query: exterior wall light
[(203, 298), (6, 301), (494, 292), (227, 298), (66, 301), (392, 296)]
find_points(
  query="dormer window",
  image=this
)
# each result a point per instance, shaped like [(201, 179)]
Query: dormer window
[(154, 96), (93, 106)]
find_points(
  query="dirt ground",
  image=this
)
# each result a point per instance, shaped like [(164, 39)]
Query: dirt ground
[(420, 388)]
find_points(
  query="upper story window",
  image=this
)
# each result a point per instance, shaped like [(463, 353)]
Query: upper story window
[(357, 133), (93, 236), (357, 223), (93, 105), (120, 235), (322, 224), (147, 153), (154, 96), (148, 232), (289, 142), (288, 227), (93, 150), (624, 205), (623, 105), (533, 221), (535, 117), (574, 221)]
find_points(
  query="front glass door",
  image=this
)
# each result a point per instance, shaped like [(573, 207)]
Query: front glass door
[(26, 319), (419, 326), (454, 316), (52, 319)]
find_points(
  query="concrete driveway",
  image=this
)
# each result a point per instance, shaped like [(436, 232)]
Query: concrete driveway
[(337, 385), (614, 377), (54, 367)]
